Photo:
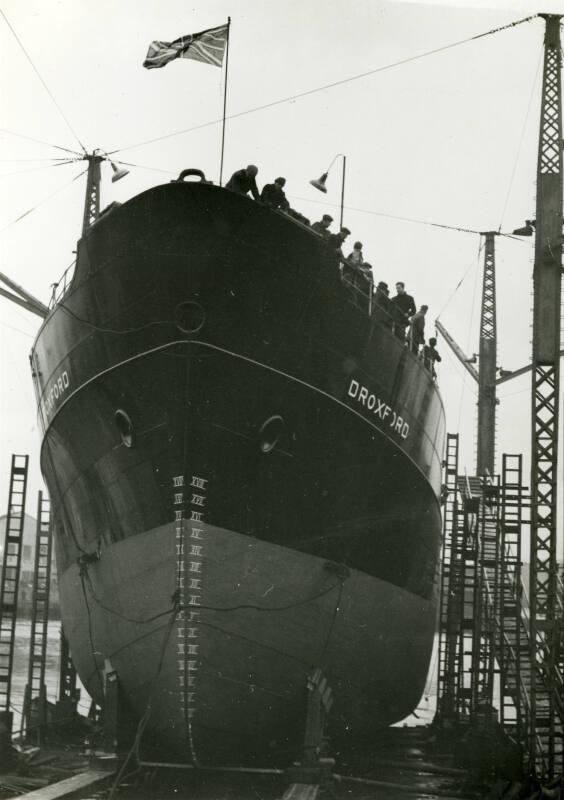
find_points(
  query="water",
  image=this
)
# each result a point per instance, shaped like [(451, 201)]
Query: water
[(20, 669)]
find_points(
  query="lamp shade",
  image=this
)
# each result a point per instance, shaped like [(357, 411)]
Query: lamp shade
[(319, 183), (118, 173)]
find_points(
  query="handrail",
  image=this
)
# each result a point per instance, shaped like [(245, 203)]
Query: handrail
[(359, 283), (378, 305), (468, 487), (61, 287), (524, 692)]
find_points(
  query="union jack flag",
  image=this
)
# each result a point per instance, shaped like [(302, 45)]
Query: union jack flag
[(207, 46)]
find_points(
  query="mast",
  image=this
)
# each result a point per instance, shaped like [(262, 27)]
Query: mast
[(547, 280), (92, 201)]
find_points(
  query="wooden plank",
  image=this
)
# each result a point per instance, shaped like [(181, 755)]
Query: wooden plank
[(301, 791), (429, 790), (62, 788)]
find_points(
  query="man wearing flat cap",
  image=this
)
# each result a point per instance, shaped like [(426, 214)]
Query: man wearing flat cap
[(273, 195), (244, 181), (337, 240), (322, 227), (343, 233)]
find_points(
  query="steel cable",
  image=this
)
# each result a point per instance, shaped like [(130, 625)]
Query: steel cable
[(59, 109), (326, 86)]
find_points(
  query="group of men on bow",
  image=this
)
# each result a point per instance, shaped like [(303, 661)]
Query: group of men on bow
[(408, 323)]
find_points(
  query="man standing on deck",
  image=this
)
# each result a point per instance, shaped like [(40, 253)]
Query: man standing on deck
[(337, 241), (430, 356), (244, 181), (382, 308), (322, 227), (417, 331), (273, 195), (356, 258), (404, 307)]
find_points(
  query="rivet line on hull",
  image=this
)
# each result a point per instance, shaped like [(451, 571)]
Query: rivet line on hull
[(178, 505), (189, 560)]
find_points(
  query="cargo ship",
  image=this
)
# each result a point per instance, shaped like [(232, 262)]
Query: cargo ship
[(244, 465)]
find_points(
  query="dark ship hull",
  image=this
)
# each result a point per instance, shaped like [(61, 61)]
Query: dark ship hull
[(244, 470)]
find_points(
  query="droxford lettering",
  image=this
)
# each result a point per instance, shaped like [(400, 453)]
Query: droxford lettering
[(378, 407), (58, 388)]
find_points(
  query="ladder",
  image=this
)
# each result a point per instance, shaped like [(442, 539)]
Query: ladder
[(539, 726), (450, 598), (485, 626), (470, 599), (486, 597), (11, 561), (478, 568), (35, 689), (513, 642)]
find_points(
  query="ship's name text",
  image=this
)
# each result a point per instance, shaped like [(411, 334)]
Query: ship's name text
[(59, 387), (378, 407)]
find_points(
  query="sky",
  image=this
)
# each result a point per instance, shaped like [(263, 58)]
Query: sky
[(448, 138)]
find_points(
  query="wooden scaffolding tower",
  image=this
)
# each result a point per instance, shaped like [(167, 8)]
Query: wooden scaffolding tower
[(11, 562)]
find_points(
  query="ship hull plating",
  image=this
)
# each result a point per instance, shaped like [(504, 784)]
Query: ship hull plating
[(232, 684), (244, 469)]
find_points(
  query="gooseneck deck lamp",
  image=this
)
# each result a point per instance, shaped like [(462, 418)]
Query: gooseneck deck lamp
[(118, 173), (320, 183)]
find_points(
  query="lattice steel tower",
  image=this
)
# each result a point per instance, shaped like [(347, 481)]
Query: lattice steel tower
[(487, 373), (545, 401), (92, 202)]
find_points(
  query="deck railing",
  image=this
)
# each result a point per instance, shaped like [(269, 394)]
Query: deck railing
[(61, 287), (359, 284), (377, 305)]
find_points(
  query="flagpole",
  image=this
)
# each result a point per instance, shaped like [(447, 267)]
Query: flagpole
[(224, 102)]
